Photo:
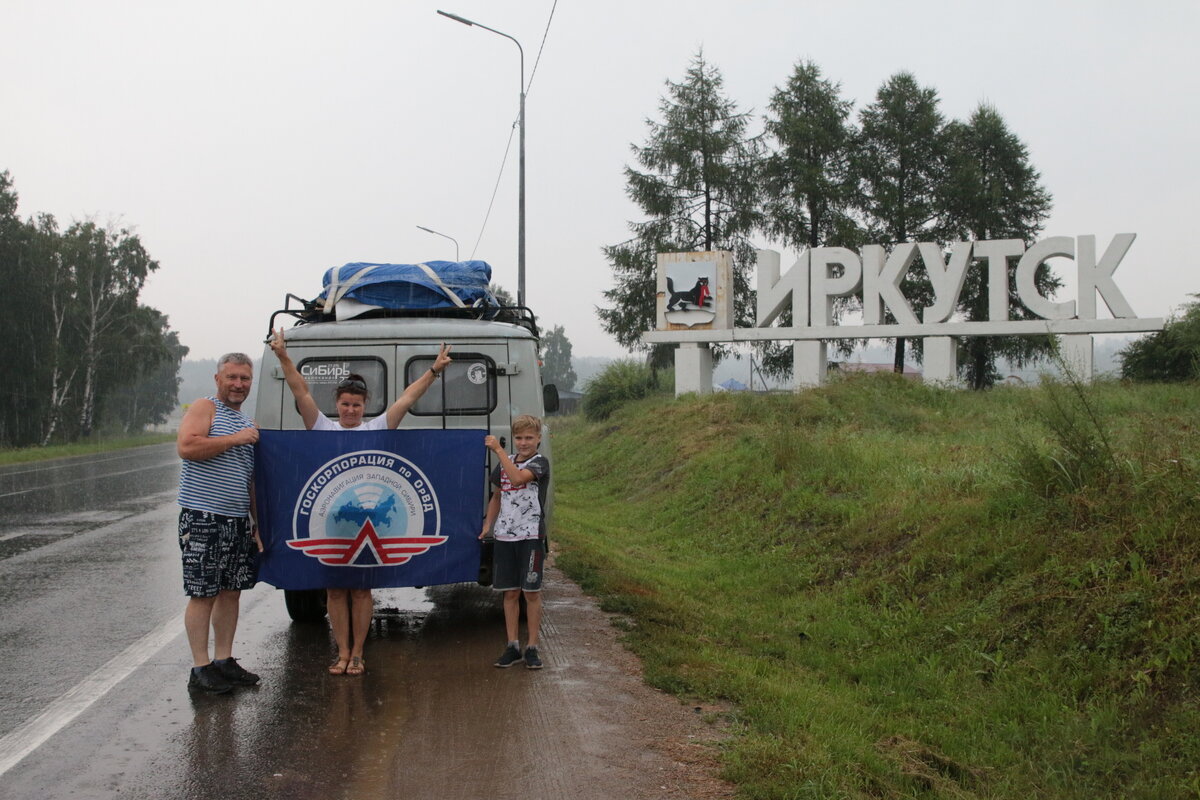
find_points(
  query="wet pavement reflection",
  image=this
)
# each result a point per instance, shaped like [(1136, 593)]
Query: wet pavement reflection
[(431, 717), (45, 501)]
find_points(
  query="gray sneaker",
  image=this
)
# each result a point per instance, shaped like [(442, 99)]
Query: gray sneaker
[(531, 658), (510, 656), (208, 679)]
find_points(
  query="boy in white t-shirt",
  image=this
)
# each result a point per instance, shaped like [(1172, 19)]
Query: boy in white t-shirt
[(517, 517)]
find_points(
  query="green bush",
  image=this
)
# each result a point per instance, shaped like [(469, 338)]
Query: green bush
[(621, 382), (1172, 354)]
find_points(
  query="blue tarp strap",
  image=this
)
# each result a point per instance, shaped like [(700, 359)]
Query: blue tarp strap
[(446, 290)]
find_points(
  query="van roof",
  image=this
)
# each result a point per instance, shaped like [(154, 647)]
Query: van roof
[(407, 328)]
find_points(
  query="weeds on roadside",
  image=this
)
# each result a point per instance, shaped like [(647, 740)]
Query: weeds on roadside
[(1079, 453), (24, 454), (905, 592)]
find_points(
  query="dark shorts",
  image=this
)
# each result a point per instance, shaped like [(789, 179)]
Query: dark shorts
[(518, 565), (219, 553)]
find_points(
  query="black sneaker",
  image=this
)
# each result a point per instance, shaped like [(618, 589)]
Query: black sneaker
[(510, 656), (235, 673), (531, 658), (208, 679)]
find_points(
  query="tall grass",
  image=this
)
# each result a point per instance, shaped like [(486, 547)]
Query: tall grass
[(619, 383), (907, 591)]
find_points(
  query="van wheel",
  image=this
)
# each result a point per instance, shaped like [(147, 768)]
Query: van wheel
[(307, 605)]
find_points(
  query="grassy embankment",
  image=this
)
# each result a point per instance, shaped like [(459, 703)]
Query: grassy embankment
[(906, 591), (20, 455)]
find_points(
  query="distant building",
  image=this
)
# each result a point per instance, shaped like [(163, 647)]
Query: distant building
[(568, 402)]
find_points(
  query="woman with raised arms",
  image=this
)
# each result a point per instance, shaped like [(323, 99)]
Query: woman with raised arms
[(350, 610)]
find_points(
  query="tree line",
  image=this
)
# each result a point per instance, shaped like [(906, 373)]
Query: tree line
[(817, 175), (82, 354)]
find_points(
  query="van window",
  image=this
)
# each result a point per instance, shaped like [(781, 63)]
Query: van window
[(324, 374), (467, 387)]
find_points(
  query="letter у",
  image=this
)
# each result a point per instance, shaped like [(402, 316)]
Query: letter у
[(1095, 277), (773, 291), (946, 277)]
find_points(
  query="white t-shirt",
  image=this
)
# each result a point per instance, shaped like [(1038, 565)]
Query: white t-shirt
[(521, 507), (324, 423)]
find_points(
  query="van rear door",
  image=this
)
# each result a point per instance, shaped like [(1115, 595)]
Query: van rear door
[(468, 395)]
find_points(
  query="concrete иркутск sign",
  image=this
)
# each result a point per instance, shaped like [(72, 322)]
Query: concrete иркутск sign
[(822, 274)]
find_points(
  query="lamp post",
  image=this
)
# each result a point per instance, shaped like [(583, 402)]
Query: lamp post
[(521, 168), (444, 236)]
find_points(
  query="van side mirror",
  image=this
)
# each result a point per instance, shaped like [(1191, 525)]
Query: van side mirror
[(550, 398)]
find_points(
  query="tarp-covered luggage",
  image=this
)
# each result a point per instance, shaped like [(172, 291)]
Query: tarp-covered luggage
[(356, 288)]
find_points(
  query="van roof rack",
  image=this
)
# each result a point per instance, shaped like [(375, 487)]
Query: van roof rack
[(309, 312)]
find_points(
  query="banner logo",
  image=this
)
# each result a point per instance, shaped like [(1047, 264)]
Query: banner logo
[(369, 508)]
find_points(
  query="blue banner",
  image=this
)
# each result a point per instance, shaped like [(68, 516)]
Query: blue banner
[(369, 509)]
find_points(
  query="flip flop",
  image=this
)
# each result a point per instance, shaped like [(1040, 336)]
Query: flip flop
[(339, 667), (357, 666)]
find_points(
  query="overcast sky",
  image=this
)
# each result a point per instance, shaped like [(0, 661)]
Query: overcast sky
[(252, 145)]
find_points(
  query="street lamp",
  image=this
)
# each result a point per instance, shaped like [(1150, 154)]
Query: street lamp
[(444, 236), (521, 169)]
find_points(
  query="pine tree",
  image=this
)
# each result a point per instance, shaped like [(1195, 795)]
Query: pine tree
[(806, 181), (556, 355), (696, 185), (899, 163), (991, 191), (806, 178)]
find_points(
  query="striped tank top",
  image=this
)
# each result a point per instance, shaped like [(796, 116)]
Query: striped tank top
[(221, 484)]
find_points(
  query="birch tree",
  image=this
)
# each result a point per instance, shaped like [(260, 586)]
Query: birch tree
[(108, 268)]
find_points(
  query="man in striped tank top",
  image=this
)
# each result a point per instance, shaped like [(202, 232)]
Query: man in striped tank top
[(217, 536)]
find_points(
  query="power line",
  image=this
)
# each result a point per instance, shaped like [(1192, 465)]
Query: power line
[(516, 122), (541, 47), (492, 202)]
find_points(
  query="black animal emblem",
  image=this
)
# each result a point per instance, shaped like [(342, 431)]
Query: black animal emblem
[(698, 296)]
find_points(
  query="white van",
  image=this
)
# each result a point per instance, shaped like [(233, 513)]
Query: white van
[(495, 376)]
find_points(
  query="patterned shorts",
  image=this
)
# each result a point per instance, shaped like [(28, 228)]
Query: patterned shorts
[(219, 553), (518, 565)]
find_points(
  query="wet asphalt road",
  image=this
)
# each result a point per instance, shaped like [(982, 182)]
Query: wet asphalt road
[(94, 704), (88, 570)]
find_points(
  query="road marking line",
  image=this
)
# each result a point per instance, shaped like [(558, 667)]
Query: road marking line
[(105, 475), (30, 735)]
